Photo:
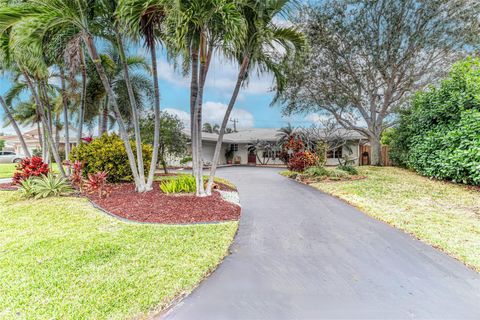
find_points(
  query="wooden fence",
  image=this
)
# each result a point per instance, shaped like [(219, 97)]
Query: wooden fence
[(365, 155)]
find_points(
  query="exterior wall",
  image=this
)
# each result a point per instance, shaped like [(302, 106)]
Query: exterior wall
[(355, 148)]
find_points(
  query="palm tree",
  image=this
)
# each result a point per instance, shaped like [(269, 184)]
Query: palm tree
[(194, 29), (286, 133), (209, 128), (55, 15), (263, 36), (144, 18)]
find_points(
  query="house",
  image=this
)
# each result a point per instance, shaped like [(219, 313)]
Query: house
[(237, 145), (32, 139)]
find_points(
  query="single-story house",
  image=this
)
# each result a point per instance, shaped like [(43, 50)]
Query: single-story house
[(31, 137), (238, 144)]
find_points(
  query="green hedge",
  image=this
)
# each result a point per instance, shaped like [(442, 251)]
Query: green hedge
[(107, 153), (439, 136)]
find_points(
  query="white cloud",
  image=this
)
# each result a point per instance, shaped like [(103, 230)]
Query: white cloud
[(222, 77), (213, 112), (316, 118)]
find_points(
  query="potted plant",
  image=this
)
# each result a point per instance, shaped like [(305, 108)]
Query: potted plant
[(229, 156)]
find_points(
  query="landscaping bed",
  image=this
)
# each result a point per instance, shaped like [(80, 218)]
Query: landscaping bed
[(158, 207), (7, 186)]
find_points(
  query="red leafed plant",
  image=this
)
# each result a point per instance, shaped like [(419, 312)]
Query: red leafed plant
[(30, 167), (87, 139), (96, 183), (301, 161), (77, 174), (291, 147)]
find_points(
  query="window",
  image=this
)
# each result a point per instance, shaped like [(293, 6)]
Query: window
[(8, 153), (335, 153), (234, 147)]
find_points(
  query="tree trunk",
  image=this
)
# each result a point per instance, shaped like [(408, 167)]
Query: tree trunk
[(193, 104), (105, 111), (226, 117), (156, 131), (376, 151), (40, 135), (92, 50), (49, 136), (15, 127), (133, 106), (65, 118), (83, 95)]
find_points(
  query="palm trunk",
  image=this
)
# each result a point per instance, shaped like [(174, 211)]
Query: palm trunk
[(92, 50), (15, 127), (231, 104), (135, 115), (49, 137), (81, 116), (104, 117), (40, 135), (156, 137), (193, 101), (65, 118)]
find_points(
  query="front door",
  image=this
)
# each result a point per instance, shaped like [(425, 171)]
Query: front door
[(252, 158)]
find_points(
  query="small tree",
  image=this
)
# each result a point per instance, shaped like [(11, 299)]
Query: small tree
[(366, 57), (2, 144), (173, 141)]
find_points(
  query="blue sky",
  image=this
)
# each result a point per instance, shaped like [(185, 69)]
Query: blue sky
[(252, 108)]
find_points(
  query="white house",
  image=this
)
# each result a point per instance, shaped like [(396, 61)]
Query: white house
[(239, 141)]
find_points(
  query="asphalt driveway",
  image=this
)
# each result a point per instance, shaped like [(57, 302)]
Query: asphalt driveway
[(301, 254)]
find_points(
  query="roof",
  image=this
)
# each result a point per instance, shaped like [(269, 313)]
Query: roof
[(268, 134)]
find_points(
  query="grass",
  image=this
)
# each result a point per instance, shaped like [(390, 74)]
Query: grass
[(442, 214), (7, 169), (62, 259)]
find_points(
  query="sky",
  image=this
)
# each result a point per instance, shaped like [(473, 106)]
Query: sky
[(251, 110)]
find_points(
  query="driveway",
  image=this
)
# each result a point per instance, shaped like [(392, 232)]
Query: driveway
[(301, 254)]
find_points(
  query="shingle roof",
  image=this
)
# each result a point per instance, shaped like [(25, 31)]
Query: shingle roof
[(268, 134)]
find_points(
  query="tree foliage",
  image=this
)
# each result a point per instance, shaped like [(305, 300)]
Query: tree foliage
[(439, 136), (366, 57)]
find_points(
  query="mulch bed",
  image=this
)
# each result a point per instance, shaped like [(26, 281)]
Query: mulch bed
[(157, 207), (8, 187)]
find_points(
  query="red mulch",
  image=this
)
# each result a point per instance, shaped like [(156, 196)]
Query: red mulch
[(8, 186), (155, 206)]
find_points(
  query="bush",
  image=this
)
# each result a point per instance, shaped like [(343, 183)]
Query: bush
[(182, 183), (96, 183), (30, 167), (316, 172), (107, 153), (45, 186), (301, 161), (439, 135), (337, 174), (348, 169)]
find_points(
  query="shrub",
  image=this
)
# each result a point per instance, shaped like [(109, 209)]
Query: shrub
[(181, 183), (186, 160), (348, 169), (76, 176), (26, 187), (301, 160), (316, 172), (30, 167), (439, 135), (336, 174), (96, 183), (45, 186), (107, 153)]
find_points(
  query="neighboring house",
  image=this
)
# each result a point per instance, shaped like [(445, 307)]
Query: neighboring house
[(12, 143), (238, 142)]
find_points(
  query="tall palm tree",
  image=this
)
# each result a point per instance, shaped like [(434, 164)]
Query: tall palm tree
[(144, 18), (255, 51), (54, 15), (195, 28)]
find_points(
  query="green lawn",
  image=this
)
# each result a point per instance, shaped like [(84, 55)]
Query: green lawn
[(445, 215), (7, 169), (62, 259)]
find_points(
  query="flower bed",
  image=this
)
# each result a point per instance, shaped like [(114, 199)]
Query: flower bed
[(155, 206)]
